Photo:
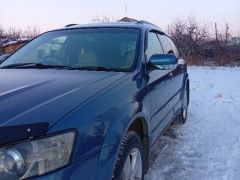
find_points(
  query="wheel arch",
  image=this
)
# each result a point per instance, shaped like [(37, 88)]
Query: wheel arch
[(140, 126), (130, 118)]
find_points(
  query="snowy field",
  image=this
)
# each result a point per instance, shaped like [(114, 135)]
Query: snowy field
[(207, 147)]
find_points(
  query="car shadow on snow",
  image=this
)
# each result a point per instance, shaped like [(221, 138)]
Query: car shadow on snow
[(163, 141)]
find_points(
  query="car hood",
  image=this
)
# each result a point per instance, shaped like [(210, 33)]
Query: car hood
[(32, 100)]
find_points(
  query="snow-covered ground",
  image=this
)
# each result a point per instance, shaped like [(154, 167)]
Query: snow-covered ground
[(207, 147)]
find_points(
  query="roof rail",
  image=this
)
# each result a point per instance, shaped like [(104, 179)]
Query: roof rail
[(126, 19), (69, 25), (146, 22)]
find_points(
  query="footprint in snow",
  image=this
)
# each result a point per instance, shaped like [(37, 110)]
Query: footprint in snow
[(219, 95)]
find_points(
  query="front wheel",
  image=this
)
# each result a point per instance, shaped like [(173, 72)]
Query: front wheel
[(129, 165)]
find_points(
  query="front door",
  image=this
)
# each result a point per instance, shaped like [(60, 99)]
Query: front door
[(160, 90)]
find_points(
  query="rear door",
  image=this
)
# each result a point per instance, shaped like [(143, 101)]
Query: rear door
[(159, 88)]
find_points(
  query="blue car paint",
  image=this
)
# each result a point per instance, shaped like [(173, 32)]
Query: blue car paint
[(99, 105), (164, 59)]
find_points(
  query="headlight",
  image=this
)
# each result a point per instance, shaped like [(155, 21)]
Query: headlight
[(36, 157)]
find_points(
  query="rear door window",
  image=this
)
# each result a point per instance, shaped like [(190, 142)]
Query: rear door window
[(174, 48), (165, 44)]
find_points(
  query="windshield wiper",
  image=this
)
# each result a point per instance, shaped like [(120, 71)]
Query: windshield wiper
[(33, 65), (48, 66), (92, 68)]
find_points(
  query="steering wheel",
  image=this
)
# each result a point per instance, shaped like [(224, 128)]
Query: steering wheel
[(53, 59)]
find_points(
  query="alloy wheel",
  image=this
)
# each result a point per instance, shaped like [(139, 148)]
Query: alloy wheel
[(133, 166)]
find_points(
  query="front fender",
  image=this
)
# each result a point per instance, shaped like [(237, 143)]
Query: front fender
[(102, 121), (116, 132)]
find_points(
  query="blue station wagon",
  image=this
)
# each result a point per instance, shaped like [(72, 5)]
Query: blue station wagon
[(89, 101)]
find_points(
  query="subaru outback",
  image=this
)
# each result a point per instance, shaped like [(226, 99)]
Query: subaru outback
[(89, 101)]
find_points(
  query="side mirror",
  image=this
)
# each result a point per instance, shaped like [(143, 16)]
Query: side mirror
[(163, 59), (4, 57)]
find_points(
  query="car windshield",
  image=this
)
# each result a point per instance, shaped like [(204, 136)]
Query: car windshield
[(107, 48)]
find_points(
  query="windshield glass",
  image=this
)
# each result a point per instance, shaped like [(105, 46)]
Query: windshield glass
[(112, 48)]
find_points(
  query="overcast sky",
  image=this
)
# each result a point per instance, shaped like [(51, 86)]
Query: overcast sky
[(50, 14)]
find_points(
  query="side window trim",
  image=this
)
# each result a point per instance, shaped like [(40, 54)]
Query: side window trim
[(159, 34)]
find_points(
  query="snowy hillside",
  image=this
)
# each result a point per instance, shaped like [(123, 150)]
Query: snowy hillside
[(207, 147)]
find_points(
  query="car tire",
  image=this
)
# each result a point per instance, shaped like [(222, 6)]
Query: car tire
[(184, 109), (130, 161)]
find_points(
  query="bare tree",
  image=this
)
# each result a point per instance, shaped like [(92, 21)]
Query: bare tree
[(14, 34), (189, 35), (1, 31), (30, 32), (199, 46)]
